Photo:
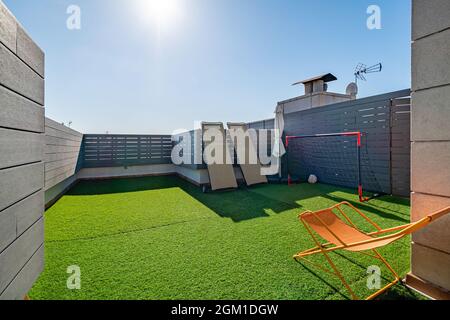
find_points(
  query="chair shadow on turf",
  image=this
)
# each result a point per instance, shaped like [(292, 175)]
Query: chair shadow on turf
[(392, 294), (315, 274), (398, 292)]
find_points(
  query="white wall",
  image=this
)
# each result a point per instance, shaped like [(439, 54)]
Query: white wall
[(133, 171), (312, 101)]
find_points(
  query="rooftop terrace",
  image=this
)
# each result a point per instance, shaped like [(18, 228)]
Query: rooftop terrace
[(162, 238)]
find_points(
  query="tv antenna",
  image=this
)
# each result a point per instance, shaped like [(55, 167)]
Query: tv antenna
[(362, 70)]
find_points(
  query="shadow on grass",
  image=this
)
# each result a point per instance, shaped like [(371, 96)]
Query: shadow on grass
[(400, 292), (352, 261), (394, 201), (397, 292), (112, 186), (238, 205), (369, 208), (365, 268), (315, 274)]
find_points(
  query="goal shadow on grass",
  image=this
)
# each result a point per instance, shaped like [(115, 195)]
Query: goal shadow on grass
[(382, 212), (238, 205)]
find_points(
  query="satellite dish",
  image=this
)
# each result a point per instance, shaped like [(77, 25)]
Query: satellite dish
[(352, 89)]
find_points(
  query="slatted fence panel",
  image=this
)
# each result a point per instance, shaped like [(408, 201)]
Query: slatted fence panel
[(371, 116), (263, 124), (62, 152), (401, 146), (192, 148), (126, 150)]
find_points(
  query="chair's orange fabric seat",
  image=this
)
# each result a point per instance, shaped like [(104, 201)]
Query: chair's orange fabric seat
[(333, 229)]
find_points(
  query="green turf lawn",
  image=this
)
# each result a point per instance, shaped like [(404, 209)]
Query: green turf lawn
[(161, 238)]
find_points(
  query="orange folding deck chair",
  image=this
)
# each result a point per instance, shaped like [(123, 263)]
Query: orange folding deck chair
[(343, 235)]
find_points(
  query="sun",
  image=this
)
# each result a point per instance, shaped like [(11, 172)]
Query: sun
[(162, 13)]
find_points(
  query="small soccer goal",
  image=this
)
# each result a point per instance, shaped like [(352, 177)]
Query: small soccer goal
[(334, 158)]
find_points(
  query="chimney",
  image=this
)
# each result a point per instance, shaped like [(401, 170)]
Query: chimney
[(317, 84), (317, 94)]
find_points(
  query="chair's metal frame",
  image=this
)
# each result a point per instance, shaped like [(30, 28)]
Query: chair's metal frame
[(368, 245)]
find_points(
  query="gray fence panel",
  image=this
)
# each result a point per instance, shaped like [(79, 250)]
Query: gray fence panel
[(195, 151), (263, 124), (62, 152), (372, 117), (126, 150), (401, 147)]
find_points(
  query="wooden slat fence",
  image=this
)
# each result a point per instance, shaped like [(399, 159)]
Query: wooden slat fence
[(401, 147), (125, 150), (62, 152), (372, 116)]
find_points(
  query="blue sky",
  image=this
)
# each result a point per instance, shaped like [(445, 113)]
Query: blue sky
[(216, 60)]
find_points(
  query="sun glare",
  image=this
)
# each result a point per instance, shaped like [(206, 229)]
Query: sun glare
[(162, 13)]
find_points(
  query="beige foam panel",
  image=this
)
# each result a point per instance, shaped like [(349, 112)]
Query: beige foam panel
[(252, 172), (221, 175)]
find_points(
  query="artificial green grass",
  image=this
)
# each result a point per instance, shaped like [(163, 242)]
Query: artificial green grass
[(161, 238)]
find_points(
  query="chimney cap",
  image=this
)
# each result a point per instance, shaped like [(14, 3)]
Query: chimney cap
[(325, 77)]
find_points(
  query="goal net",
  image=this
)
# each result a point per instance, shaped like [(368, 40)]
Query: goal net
[(333, 158)]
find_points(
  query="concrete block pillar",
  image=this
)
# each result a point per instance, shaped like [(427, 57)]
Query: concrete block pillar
[(431, 145)]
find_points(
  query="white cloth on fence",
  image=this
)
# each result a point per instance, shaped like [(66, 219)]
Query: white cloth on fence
[(279, 149)]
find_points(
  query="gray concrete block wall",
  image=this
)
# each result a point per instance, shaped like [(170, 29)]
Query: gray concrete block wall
[(430, 16), (19, 77), (8, 28), (20, 113), (21, 158), (20, 147), (430, 132)]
